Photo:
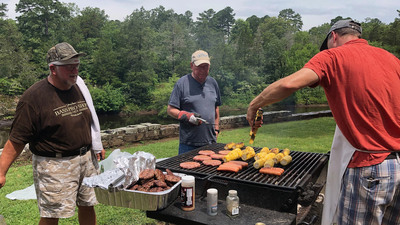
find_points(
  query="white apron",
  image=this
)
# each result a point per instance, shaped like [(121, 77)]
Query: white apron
[(341, 153)]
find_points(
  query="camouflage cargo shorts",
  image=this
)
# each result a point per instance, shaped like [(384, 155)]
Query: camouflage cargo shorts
[(58, 184)]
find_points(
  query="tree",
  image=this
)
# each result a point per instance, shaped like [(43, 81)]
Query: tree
[(223, 20), (372, 29), (3, 10), (254, 21), (205, 32), (40, 19), (174, 47), (275, 34), (105, 65), (333, 21), (292, 17), (138, 59), (91, 21), (39, 22), (16, 71), (242, 38)]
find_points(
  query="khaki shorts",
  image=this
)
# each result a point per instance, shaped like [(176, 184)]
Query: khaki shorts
[(58, 184)]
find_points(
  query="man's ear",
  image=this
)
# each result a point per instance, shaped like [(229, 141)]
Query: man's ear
[(52, 69)]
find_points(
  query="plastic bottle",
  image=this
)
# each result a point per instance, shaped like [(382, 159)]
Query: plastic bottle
[(212, 201), (187, 193), (232, 203)]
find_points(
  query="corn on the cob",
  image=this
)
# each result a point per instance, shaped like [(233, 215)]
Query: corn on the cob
[(275, 150), (248, 153), (286, 160), (270, 155), (233, 155), (259, 163), (239, 151), (260, 155), (286, 151), (229, 146), (279, 156), (265, 149), (269, 163), (239, 145)]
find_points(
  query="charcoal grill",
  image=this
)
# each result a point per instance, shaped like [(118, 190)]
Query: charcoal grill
[(276, 193)]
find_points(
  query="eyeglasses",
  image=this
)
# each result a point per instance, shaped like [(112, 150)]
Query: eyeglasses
[(70, 67)]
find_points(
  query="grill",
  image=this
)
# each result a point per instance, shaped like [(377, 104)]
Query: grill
[(281, 193)]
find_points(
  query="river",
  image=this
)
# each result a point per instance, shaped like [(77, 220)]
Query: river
[(115, 121)]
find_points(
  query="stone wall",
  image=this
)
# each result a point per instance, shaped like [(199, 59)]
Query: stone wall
[(113, 138)]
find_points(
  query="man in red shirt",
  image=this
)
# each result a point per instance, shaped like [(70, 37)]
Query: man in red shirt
[(361, 84)]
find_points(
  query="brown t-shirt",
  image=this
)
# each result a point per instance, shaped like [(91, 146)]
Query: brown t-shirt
[(52, 120)]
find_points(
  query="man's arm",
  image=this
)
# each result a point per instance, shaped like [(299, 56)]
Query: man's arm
[(10, 152), (173, 112), (216, 121), (280, 90)]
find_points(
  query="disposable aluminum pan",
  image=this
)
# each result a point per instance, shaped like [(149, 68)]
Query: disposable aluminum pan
[(149, 201)]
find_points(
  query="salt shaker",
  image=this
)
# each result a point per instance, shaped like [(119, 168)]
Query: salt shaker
[(212, 201), (232, 203)]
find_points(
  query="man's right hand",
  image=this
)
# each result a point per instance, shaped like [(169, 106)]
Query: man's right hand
[(2, 181), (189, 118)]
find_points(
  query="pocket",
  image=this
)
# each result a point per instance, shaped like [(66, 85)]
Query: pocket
[(94, 160), (55, 188), (376, 184)]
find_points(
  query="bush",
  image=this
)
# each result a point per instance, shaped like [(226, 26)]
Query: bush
[(161, 94), (310, 96), (107, 99), (10, 87)]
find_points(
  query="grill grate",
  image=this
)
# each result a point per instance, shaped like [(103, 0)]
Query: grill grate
[(297, 173)]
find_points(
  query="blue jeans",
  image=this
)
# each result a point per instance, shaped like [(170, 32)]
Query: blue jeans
[(185, 148)]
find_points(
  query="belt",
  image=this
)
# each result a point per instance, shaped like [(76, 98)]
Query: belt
[(79, 151), (392, 155)]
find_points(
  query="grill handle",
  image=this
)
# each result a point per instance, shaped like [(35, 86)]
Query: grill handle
[(312, 221), (210, 179)]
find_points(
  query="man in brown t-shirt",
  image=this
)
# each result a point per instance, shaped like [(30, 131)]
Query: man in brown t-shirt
[(54, 118)]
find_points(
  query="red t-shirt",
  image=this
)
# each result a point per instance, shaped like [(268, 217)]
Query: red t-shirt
[(362, 85)]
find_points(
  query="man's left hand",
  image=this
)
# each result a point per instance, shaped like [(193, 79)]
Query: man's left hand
[(101, 155)]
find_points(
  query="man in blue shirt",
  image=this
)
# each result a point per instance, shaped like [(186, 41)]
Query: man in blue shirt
[(196, 95)]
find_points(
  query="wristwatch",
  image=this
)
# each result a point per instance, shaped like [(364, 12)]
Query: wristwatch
[(217, 130)]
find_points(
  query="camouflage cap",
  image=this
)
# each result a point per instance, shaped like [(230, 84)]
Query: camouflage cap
[(61, 52)]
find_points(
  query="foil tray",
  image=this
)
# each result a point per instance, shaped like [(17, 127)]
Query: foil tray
[(149, 201)]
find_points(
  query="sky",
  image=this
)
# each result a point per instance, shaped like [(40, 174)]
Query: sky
[(312, 12)]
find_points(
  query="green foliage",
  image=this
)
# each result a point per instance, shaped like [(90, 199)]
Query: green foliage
[(107, 98), (10, 87), (140, 54), (3, 10), (161, 94), (293, 18), (310, 96)]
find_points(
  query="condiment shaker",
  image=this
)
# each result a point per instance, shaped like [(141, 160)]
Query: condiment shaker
[(187, 193), (232, 203), (212, 201)]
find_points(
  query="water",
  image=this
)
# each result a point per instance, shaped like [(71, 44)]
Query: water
[(115, 121)]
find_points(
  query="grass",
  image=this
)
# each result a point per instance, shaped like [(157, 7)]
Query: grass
[(313, 135)]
